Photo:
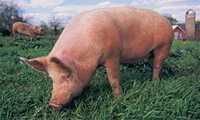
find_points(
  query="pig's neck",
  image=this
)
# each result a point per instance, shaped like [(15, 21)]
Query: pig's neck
[(80, 49), (85, 71), (84, 65)]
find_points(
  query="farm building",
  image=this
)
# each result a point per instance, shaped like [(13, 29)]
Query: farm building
[(197, 31), (190, 30), (179, 33)]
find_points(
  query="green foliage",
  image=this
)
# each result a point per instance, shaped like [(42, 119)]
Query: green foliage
[(172, 20), (9, 13), (25, 92)]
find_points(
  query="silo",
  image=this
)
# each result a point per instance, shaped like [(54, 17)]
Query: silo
[(190, 24)]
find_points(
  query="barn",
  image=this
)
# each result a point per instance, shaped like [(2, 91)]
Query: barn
[(189, 30), (179, 33)]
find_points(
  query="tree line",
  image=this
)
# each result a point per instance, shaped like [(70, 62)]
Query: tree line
[(11, 13)]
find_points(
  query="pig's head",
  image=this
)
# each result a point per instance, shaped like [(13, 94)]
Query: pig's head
[(64, 76), (38, 30)]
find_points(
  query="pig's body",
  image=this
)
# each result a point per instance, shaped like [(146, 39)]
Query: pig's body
[(127, 33), (108, 37), (26, 29)]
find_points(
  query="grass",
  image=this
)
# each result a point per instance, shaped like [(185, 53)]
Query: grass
[(24, 93)]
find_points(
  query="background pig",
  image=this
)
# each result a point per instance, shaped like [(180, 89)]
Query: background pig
[(26, 29), (108, 37)]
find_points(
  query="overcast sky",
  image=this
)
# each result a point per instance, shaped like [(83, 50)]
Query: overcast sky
[(41, 10)]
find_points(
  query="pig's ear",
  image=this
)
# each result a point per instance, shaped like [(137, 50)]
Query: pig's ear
[(39, 63), (65, 67)]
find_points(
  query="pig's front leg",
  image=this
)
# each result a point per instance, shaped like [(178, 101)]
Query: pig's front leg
[(113, 71)]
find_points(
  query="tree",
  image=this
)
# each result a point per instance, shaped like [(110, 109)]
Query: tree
[(172, 20), (44, 26), (9, 13), (55, 23)]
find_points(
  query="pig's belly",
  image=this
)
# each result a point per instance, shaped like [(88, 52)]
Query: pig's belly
[(131, 54), (133, 57)]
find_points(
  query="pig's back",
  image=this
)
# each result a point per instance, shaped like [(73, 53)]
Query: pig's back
[(135, 32), (20, 26), (141, 30)]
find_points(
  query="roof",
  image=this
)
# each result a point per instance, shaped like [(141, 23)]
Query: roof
[(177, 26), (174, 26)]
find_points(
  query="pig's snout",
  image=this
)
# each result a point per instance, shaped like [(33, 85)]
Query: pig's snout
[(55, 105)]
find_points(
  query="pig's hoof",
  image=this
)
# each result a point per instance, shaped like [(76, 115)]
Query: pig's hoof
[(156, 78), (55, 106), (117, 94)]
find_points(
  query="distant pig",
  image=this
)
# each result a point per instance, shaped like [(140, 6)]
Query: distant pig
[(107, 37), (26, 29)]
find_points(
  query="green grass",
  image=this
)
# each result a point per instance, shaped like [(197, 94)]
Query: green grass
[(24, 93)]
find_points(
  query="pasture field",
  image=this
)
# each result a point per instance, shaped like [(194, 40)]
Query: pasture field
[(24, 93)]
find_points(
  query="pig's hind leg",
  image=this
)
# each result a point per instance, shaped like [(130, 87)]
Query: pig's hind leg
[(113, 70), (160, 54)]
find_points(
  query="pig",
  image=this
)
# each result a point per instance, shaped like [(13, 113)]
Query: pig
[(26, 29), (108, 37)]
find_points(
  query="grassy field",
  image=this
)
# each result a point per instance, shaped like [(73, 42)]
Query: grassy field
[(24, 93)]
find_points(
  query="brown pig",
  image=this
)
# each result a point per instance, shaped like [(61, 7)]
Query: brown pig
[(26, 29), (108, 37)]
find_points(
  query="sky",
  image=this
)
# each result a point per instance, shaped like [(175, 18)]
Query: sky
[(43, 10)]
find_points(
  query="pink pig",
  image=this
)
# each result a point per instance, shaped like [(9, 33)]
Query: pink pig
[(108, 37)]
